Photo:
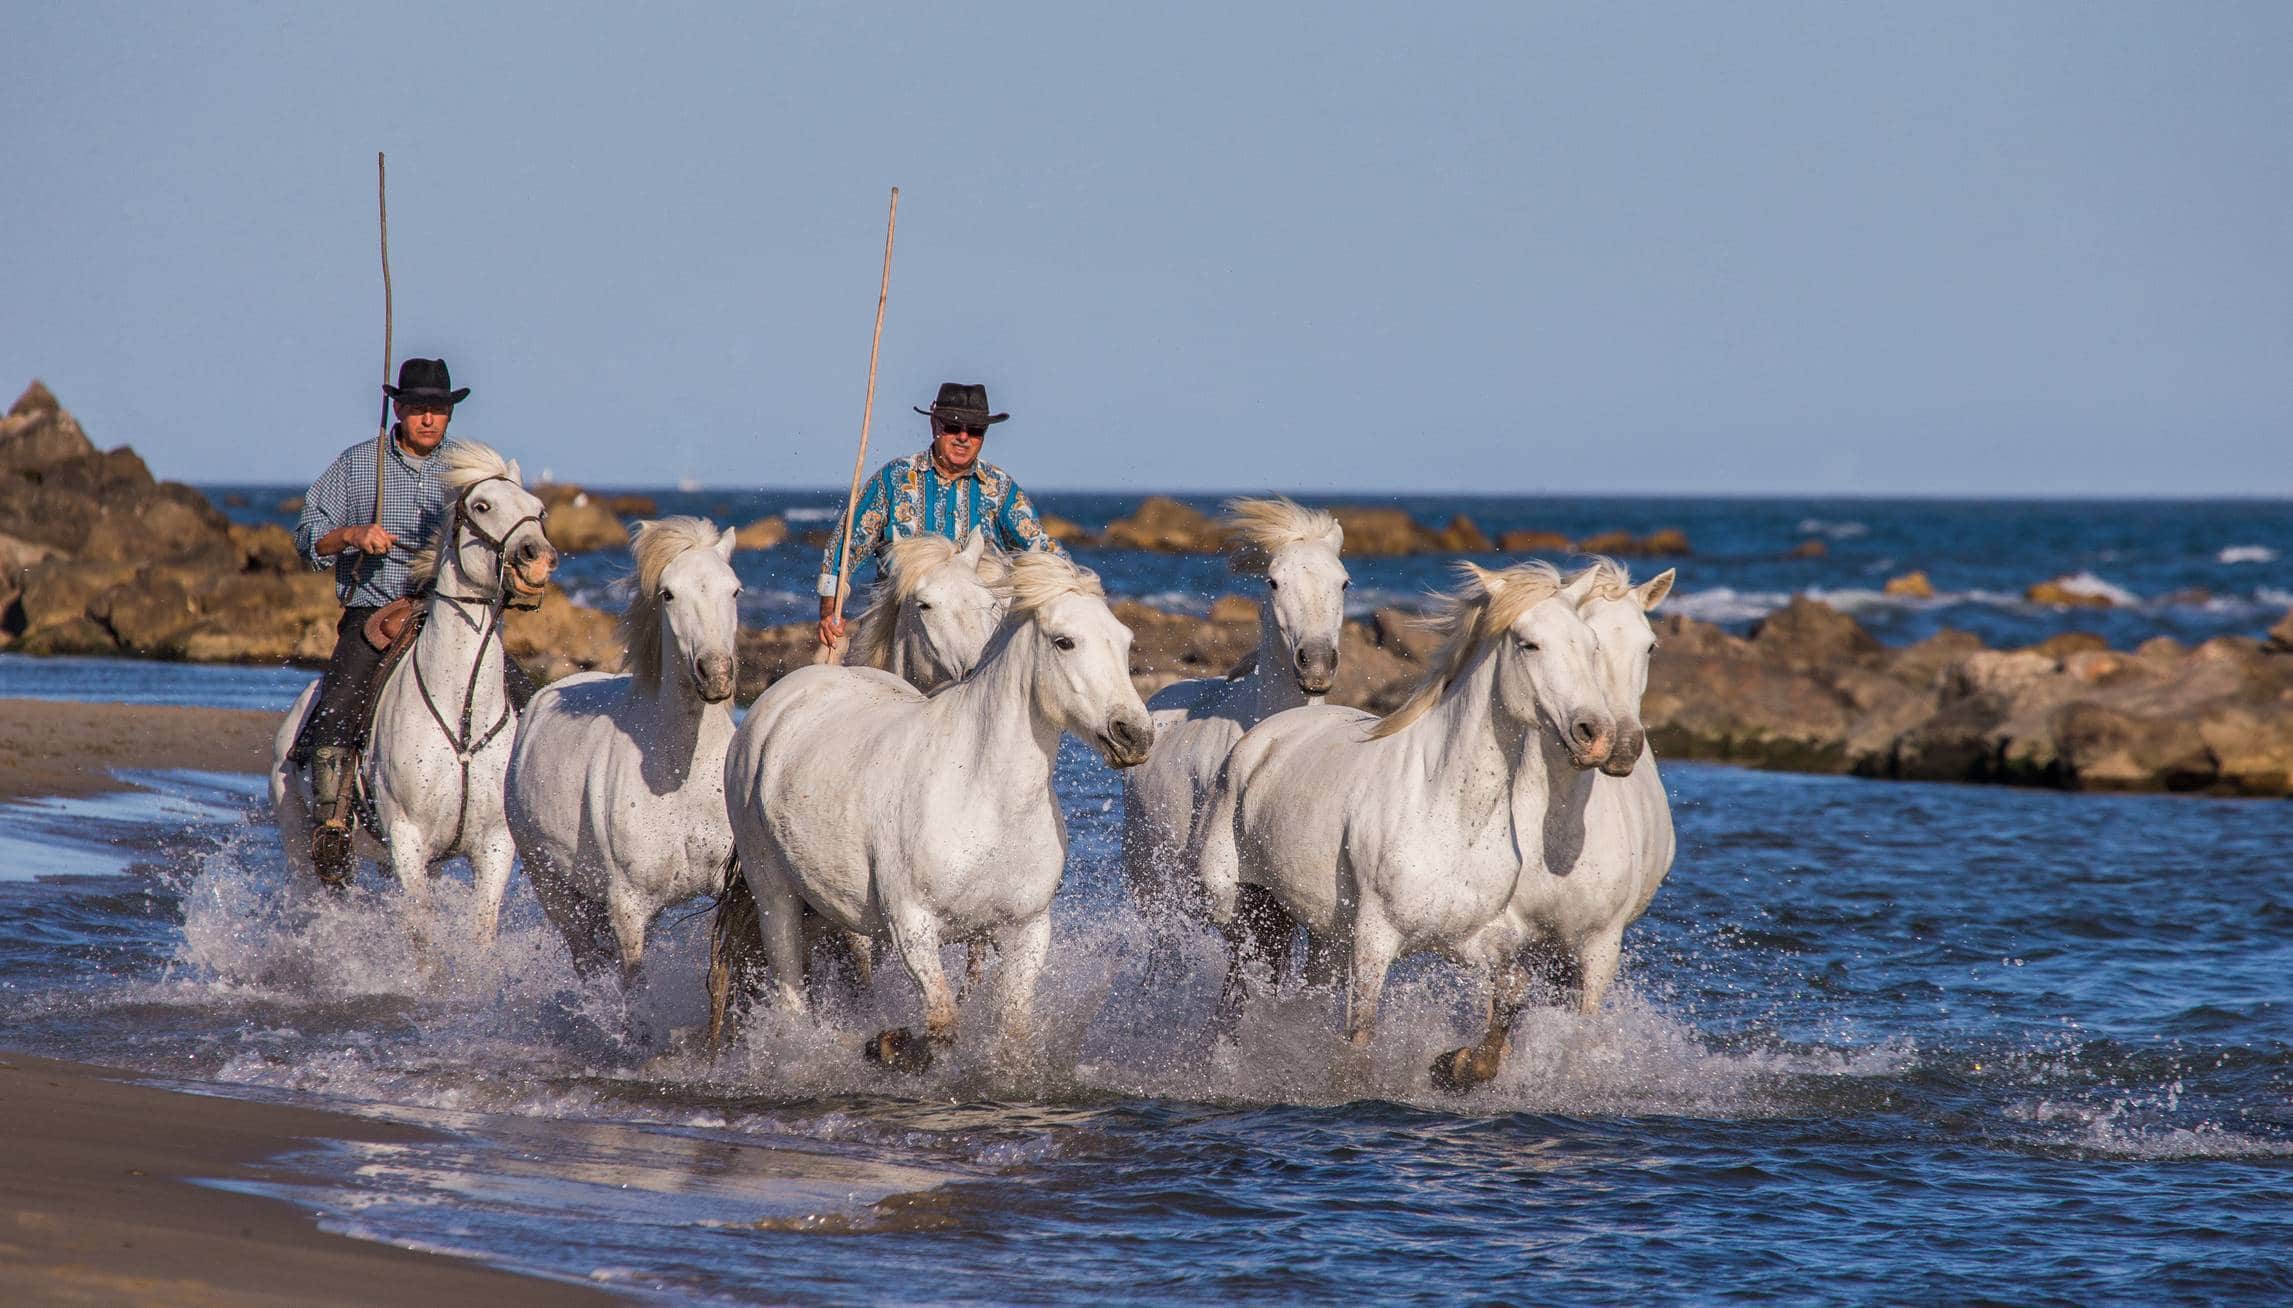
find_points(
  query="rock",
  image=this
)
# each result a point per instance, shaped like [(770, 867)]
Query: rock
[(1744, 711), (57, 593), (1665, 541), (763, 534), (581, 524), (259, 617), (1609, 542), (1535, 542), (266, 547), (2063, 644), (1066, 532), (2252, 748), (1911, 585), (768, 655), (1810, 633), (633, 506), (1811, 548), (1924, 663), (561, 638), (1685, 635), (1403, 635), (38, 433), (1462, 536), (2097, 666), (1377, 531), (1167, 526), (2281, 635), (291, 504), (2163, 649), (2065, 592), (2102, 748), (1234, 608)]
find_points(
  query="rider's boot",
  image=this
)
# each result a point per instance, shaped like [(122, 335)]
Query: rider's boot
[(331, 769)]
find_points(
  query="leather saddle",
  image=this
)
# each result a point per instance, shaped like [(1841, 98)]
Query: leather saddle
[(391, 630)]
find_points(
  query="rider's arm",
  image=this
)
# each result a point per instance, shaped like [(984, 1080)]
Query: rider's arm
[(326, 513), (1017, 526), (869, 519)]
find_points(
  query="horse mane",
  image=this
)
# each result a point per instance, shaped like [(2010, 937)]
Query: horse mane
[(1603, 579), (655, 545), (1468, 620), (1257, 529), (1038, 577), (465, 464), (907, 561)]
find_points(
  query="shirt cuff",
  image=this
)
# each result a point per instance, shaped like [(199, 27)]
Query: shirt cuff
[(827, 585)]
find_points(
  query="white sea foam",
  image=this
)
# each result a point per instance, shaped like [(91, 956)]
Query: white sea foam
[(813, 513), (1846, 529), (2246, 554), (2086, 583)]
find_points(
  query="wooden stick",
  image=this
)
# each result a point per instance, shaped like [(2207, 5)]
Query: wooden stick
[(382, 427), (830, 653)]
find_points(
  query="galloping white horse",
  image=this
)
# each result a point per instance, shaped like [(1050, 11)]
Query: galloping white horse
[(1387, 837), (441, 739), (1565, 923), (932, 820), (1196, 722), (930, 616), (616, 791)]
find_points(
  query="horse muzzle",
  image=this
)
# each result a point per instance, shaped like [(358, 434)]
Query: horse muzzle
[(1624, 755), (714, 676), (1591, 739), (1126, 742), (1317, 667)]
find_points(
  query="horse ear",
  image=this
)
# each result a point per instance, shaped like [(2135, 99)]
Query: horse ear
[(515, 475), (725, 544), (1489, 582), (1580, 586), (974, 549), (1651, 592), (1336, 536)]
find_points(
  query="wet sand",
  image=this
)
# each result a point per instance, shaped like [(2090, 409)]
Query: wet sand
[(71, 748), (97, 1204)]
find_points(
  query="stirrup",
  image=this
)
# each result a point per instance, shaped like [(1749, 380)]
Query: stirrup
[(331, 853)]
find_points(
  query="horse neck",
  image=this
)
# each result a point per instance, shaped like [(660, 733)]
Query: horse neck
[(455, 639), (670, 706), (1269, 687), (991, 718), (1467, 753)]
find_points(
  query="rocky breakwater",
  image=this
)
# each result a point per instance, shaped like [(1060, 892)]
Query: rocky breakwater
[(1168, 526), (99, 557), (1810, 690)]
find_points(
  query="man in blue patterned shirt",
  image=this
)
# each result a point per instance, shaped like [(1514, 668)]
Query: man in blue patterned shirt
[(370, 560), (946, 490)]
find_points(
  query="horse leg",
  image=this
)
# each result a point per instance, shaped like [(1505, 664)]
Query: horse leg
[(917, 938), (780, 922), (490, 864), (1023, 947), (576, 918), (1374, 945), (1323, 960), (410, 863), (1596, 964), (1462, 1069), (1260, 929), (629, 915)]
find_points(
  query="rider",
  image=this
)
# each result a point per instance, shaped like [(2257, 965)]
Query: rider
[(370, 558), (946, 489)]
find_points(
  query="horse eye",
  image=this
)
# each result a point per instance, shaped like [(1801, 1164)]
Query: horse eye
[(1347, 584), (1062, 643), (1528, 647), (481, 506), (1272, 584), (665, 595), (923, 606)]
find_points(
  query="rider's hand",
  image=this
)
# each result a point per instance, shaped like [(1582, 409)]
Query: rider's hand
[(831, 624), (371, 539)]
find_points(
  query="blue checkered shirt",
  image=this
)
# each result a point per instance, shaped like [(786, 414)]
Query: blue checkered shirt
[(414, 504)]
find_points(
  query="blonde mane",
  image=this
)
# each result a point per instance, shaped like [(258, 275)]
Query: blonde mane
[(1039, 577), (1257, 529), (1468, 620), (464, 464), (655, 545), (1609, 580), (906, 563)]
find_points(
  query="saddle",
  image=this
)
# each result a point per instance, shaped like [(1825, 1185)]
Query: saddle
[(391, 630)]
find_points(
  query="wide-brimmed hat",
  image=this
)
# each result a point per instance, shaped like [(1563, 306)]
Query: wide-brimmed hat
[(426, 381), (964, 400)]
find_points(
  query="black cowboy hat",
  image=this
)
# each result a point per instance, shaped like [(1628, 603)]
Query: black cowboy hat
[(425, 380), (964, 400)]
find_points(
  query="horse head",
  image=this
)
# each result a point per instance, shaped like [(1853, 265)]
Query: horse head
[(1081, 656), (493, 539), (1617, 611), (685, 609), (1548, 674), (932, 615), (1296, 550)]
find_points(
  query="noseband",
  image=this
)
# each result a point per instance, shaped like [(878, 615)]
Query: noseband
[(461, 518)]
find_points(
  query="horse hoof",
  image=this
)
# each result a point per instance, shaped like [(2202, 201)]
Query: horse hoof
[(330, 855), (900, 1050), (1458, 1071)]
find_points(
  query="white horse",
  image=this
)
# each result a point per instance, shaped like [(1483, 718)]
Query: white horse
[(1388, 837), (928, 618), (616, 791), (932, 819), (1196, 722), (442, 722), (1565, 924)]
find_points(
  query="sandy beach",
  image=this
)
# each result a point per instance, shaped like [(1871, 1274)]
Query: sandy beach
[(51, 748), (98, 1204)]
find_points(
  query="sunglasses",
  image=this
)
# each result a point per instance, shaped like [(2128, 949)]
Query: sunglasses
[(959, 429)]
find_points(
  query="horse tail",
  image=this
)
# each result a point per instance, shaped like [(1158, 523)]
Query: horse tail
[(736, 951), (1212, 847)]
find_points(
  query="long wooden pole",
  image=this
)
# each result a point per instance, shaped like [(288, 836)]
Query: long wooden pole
[(382, 426), (829, 653)]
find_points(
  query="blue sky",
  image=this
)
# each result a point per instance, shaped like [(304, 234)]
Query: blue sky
[(2039, 248)]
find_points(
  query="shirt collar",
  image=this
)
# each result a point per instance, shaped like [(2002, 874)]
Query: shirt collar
[(413, 462), (973, 472)]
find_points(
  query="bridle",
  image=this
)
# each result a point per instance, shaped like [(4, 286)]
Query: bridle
[(466, 748)]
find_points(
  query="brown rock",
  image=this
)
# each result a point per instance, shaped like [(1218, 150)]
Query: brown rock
[(1378, 531), (1924, 663), (291, 504), (266, 547), (2281, 635), (763, 534), (2105, 749), (1609, 542), (2161, 649), (2096, 666), (1811, 548), (1665, 541), (2252, 747), (633, 506), (1165, 525), (561, 637), (581, 524), (1535, 542), (1685, 635), (1745, 711), (257, 617), (37, 433), (2056, 593), (147, 613), (1067, 532), (2063, 644), (1808, 633), (1462, 536), (1234, 608), (1403, 634), (1911, 585), (57, 593)]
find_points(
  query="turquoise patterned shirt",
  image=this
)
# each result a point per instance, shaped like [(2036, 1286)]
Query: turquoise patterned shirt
[(911, 495)]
